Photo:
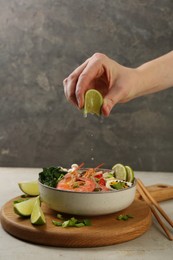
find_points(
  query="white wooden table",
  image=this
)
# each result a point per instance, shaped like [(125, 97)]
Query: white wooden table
[(152, 245)]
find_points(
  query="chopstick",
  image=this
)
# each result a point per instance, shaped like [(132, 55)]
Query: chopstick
[(155, 203), (151, 203)]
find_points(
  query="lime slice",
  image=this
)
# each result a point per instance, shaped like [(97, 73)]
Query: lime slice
[(37, 216), (120, 171), (130, 174), (29, 188), (25, 208), (93, 102)]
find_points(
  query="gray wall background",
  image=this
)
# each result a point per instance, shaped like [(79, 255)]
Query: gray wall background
[(41, 42)]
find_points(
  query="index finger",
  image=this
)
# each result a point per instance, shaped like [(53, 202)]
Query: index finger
[(93, 70), (70, 83)]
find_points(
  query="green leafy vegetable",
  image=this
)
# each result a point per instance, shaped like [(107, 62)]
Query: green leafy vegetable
[(51, 176), (124, 217), (72, 222)]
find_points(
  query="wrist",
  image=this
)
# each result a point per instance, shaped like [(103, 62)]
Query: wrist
[(131, 81), (156, 75)]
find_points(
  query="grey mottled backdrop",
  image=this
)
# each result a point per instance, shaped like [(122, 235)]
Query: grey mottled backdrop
[(41, 42)]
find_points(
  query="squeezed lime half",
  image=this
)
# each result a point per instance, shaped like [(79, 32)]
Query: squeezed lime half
[(93, 102)]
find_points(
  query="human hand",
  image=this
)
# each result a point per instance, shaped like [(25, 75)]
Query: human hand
[(114, 81)]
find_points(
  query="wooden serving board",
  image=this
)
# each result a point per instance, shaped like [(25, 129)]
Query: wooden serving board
[(160, 192), (105, 230)]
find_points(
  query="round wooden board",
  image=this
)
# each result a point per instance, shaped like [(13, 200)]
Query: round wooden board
[(105, 230)]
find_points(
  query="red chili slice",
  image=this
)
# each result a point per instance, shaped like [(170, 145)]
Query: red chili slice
[(102, 182), (98, 176)]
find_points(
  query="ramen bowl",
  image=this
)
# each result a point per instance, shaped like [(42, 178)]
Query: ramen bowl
[(87, 203)]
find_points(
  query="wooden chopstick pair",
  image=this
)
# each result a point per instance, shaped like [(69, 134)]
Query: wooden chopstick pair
[(151, 203)]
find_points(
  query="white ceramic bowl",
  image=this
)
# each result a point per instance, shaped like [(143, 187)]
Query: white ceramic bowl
[(87, 203)]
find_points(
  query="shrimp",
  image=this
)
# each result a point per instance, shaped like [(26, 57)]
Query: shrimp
[(67, 181), (73, 182), (92, 171), (79, 184)]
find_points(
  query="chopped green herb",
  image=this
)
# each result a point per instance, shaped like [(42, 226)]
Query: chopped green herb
[(129, 216), (97, 179), (75, 185), (66, 223), (124, 217), (87, 222), (57, 223), (72, 222), (80, 225), (51, 176), (59, 216)]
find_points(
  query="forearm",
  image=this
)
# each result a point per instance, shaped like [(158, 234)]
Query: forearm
[(155, 75), (117, 83)]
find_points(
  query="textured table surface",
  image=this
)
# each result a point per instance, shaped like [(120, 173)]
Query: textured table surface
[(152, 245)]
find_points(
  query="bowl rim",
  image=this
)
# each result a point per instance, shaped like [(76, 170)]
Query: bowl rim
[(89, 192)]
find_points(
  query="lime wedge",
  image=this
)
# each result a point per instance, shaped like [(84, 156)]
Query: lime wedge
[(130, 174), (93, 102), (29, 188), (25, 208), (37, 216), (120, 171)]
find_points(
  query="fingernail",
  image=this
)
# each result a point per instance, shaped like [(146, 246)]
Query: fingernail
[(78, 101), (105, 108)]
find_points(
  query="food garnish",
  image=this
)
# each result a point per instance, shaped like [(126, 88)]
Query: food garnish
[(130, 174), (37, 216), (93, 102), (52, 175), (30, 207), (24, 208), (72, 222), (88, 180), (120, 171), (124, 217), (74, 179), (29, 188)]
